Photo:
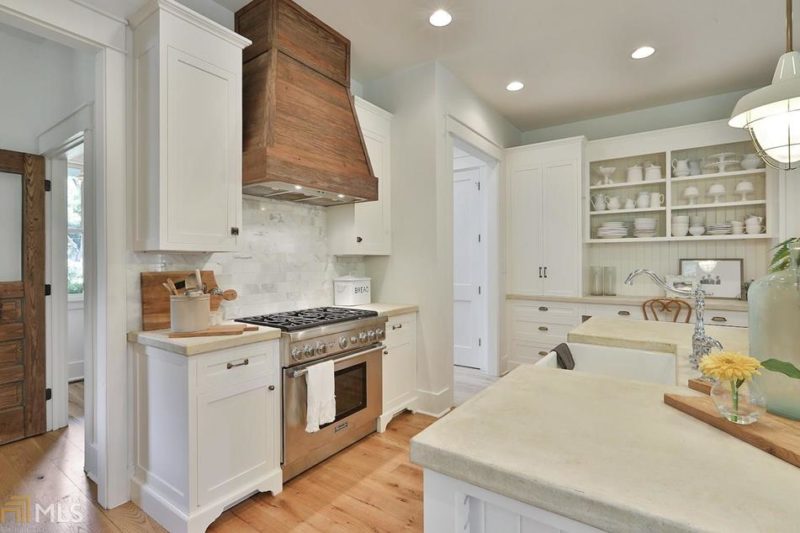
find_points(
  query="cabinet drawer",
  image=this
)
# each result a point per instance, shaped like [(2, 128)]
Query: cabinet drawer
[(525, 352), (401, 329), (542, 332), (237, 365), (614, 311), (544, 313), (726, 318)]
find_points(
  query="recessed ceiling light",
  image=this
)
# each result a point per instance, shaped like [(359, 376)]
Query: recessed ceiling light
[(440, 18), (298, 187), (515, 86), (643, 52)]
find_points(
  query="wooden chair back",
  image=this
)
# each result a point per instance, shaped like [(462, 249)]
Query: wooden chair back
[(675, 306)]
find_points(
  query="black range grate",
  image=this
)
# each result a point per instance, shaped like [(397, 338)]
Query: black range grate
[(307, 318)]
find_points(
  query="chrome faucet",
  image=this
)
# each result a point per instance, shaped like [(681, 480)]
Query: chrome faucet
[(702, 344)]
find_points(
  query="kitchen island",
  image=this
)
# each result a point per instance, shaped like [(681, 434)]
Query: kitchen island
[(546, 450)]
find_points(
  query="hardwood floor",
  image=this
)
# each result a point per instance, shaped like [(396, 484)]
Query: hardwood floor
[(467, 382), (370, 486)]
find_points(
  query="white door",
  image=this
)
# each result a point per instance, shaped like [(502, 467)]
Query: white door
[(560, 228), (469, 266), (525, 257)]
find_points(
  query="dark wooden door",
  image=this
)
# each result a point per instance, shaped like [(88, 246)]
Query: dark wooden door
[(22, 293)]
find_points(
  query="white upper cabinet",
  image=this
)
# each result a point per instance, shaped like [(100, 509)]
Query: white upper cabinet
[(188, 120), (366, 228), (544, 213)]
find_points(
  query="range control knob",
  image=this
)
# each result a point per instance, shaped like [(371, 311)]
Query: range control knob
[(353, 339), (343, 342), (321, 348), (379, 333), (371, 335), (362, 336), (295, 353), (308, 351)]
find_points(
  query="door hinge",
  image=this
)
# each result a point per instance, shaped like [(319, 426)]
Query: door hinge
[(234, 231), (48, 394), (479, 237), (48, 185), (479, 185), (480, 342), (479, 289), (48, 289)]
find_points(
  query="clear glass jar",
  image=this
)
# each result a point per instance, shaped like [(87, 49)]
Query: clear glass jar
[(596, 281), (610, 281), (774, 303), (742, 405)]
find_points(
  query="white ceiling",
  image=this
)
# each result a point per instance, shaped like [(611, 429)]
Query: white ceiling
[(573, 55)]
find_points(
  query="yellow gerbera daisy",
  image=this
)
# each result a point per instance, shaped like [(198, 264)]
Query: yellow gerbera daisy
[(729, 366)]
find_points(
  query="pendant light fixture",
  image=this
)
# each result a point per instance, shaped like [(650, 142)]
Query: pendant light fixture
[(772, 114)]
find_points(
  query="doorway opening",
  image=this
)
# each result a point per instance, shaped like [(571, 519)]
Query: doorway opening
[(473, 357)]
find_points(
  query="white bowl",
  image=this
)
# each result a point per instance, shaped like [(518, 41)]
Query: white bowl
[(697, 230), (680, 231)]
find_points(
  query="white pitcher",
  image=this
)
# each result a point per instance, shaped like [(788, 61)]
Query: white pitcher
[(652, 172), (613, 203), (599, 202), (656, 199), (680, 167), (630, 204), (643, 200)]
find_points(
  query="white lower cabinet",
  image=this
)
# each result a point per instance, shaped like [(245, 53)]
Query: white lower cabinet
[(399, 367), (207, 432)]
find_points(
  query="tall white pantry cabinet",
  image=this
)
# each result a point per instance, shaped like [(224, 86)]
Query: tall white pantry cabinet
[(544, 218), (188, 131)]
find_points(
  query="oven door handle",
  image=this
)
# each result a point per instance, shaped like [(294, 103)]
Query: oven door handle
[(303, 371)]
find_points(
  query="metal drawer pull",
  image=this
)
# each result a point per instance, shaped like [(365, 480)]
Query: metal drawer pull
[(271, 387), (719, 319), (624, 313), (543, 309), (543, 328), (543, 353), (243, 363), (397, 326)]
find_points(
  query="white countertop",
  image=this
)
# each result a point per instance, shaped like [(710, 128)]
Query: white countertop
[(712, 304), (200, 345), (654, 336), (611, 454), (389, 310)]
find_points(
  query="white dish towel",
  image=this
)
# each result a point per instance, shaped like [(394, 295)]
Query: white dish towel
[(321, 396)]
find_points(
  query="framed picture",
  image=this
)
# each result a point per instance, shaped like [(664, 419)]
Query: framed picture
[(721, 278)]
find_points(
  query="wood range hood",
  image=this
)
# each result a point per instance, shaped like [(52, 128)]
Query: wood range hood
[(302, 141)]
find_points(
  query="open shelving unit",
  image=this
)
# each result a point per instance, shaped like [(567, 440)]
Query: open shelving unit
[(730, 207)]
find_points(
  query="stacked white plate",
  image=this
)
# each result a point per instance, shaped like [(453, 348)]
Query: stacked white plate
[(612, 230), (644, 227), (719, 229)]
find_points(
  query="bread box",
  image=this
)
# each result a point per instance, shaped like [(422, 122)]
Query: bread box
[(351, 290)]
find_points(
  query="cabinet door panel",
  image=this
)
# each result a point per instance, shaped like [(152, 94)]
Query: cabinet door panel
[(560, 222), (370, 223), (525, 231), (236, 438), (203, 187)]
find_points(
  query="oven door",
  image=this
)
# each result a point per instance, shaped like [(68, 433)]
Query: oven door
[(359, 395)]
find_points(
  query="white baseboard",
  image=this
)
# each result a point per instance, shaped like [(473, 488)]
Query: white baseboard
[(74, 371), (436, 404)]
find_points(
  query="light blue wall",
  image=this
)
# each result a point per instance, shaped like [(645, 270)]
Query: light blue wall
[(666, 116)]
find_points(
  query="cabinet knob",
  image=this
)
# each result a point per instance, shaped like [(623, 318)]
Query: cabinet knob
[(543, 328), (386, 352), (272, 387), (624, 313), (359, 239), (544, 309), (234, 231)]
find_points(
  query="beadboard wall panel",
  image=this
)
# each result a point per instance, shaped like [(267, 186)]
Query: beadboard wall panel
[(663, 257)]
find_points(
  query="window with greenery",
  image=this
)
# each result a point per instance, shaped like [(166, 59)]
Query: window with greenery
[(75, 220)]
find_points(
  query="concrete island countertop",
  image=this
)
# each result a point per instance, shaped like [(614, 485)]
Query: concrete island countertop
[(712, 304), (611, 454), (200, 345), (654, 336)]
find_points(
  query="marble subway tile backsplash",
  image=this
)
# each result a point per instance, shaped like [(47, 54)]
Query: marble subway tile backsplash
[(283, 263)]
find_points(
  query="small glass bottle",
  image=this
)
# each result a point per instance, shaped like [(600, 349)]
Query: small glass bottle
[(596, 281), (609, 281), (774, 308)]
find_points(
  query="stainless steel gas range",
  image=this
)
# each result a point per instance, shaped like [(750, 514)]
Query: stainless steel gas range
[(353, 339)]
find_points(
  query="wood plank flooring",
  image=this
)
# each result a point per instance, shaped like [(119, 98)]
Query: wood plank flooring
[(371, 486)]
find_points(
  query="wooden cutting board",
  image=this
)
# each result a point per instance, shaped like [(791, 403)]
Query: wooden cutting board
[(213, 331), (774, 434), (155, 298)]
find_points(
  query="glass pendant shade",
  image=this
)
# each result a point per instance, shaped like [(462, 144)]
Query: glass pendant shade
[(772, 115)]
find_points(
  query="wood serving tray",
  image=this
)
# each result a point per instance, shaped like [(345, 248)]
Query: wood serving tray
[(773, 434)]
